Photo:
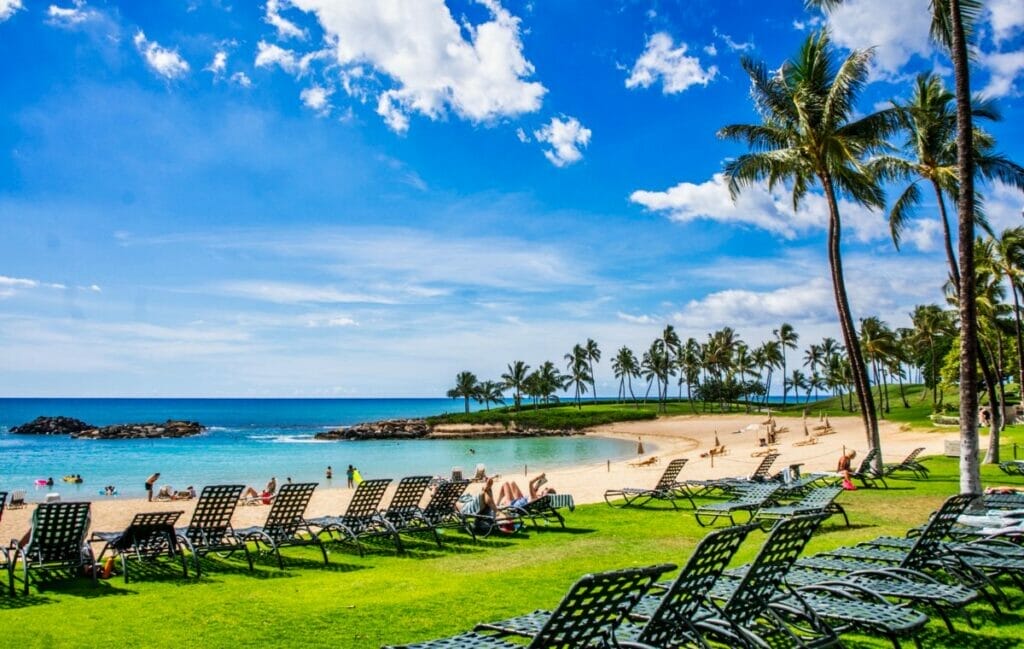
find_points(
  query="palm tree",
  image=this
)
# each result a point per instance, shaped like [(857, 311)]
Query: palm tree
[(773, 361), (577, 364), (593, 356), (1008, 257), (465, 387), (813, 358), (931, 324), (809, 136), (489, 392), (796, 381), (549, 380), (689, 368), (514, 377), (625, 367), (787, 338), (951, 25)]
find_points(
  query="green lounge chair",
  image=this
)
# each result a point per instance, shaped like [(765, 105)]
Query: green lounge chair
[(545, 509), (1012, 467), (668, 489), (361, 519), (56, 543), (749, 499), (442, 509), (820, 499), (909, 463), (586, 617), (149, 537), (404, 509), (866, 472), (669, 618), (761, 474), (209, 530), (286, 524)]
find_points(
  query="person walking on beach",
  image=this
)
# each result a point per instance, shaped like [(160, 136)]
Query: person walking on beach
[(150, 481), (350, 476), (330, 473)]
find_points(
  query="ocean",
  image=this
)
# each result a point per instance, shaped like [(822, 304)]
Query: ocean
[(249, 440)]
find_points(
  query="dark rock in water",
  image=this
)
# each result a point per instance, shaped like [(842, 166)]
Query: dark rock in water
[(387, 429), (52, 426), (143, 431), (420, 429)]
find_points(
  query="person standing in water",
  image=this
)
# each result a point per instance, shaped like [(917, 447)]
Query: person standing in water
[(150, 481), (350, 476), (330, 473)]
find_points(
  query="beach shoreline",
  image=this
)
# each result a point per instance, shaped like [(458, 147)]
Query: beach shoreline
[(665, 439)]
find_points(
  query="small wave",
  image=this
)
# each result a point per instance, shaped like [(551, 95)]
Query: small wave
[(288, 439), (212, 428)]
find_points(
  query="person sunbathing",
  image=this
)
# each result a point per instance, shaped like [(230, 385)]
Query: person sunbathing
[(512, 496)]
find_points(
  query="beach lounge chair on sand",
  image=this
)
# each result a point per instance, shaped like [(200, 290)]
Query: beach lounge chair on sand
[(362, 518), (17, 499), (668, 489), (748, 498), (210, 528), (404, 510), (285, 524), (56, 543), (149, 537), (586, 617)]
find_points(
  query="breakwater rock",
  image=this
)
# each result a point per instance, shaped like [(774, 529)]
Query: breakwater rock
[(143, 431), (52, 426), (420, 429)]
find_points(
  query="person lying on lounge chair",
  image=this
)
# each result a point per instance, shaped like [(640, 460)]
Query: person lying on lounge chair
[(267, 495), (512, 495)]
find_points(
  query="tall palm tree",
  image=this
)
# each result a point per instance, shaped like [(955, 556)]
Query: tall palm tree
[(514, 377), (1008, 258), (796, 381), (689, 368), (489, 392), (931, 324), (809, 135), (465, 386), (773, 361), (951, 26), (787, 338), (576, 364), (593, 356), (813, 358)]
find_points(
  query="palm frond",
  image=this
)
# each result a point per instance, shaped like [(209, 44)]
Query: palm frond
[(901, 210)]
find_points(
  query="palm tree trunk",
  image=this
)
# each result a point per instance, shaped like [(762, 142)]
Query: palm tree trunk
[(1020, 343), (467, 403), (859, 370), (903, 393)]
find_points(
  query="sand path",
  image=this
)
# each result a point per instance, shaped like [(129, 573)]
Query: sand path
[(666, 438)]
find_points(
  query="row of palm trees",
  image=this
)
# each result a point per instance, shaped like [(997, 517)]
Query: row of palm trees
[(811, 134)]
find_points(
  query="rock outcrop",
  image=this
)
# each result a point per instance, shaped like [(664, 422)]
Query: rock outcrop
[(77, 428), (143, 431), (420, 429), (52, 426)]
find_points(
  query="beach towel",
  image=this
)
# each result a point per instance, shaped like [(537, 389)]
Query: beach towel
[(356, 477)]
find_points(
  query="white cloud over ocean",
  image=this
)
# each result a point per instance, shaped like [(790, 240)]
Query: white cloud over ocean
[(662, 61)]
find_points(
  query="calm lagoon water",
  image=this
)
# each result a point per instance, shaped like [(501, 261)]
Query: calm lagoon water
[(248, 440)]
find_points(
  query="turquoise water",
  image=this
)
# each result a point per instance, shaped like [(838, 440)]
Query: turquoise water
[(249, 440)]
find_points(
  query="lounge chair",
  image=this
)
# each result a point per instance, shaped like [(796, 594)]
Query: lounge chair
[(362, 518), (545, 509), (909, 463), (210, 528), (727, 485), (17, 499), (820, 499), (442, 511), (1012, 467), (285, 524), (1011, 500), (404, 510), (668, 489), (668, 619), (149, 537), (749, 499), (587, 616), (56, 542), (866, 472)]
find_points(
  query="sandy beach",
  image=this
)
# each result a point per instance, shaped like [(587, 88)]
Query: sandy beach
[(665, 439)]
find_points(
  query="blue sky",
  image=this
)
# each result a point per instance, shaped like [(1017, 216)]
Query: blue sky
[(364, 197)]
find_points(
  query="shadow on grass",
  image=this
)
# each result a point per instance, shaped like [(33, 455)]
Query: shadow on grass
[(22, 601)]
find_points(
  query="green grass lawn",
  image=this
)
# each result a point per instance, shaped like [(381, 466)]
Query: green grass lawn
[(383, 598)]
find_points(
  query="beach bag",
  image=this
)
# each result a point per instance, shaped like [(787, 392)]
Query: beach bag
[(848, 485)]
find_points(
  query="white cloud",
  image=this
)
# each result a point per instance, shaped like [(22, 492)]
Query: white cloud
[(898, 30), (565, 137), (1004, 69), (285, 28), (268, 54), (69, 16), (924, 234), (219, 64), (759, 207), (1004, 206), (808, 301), (316, 98), (672, 66), (733, 45), (242, 79), (522, 136), (635, 319), (165, 62), (711, 50), (476, 71), (10, 286), (8, 7), (330, 321), (1006, 18)]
